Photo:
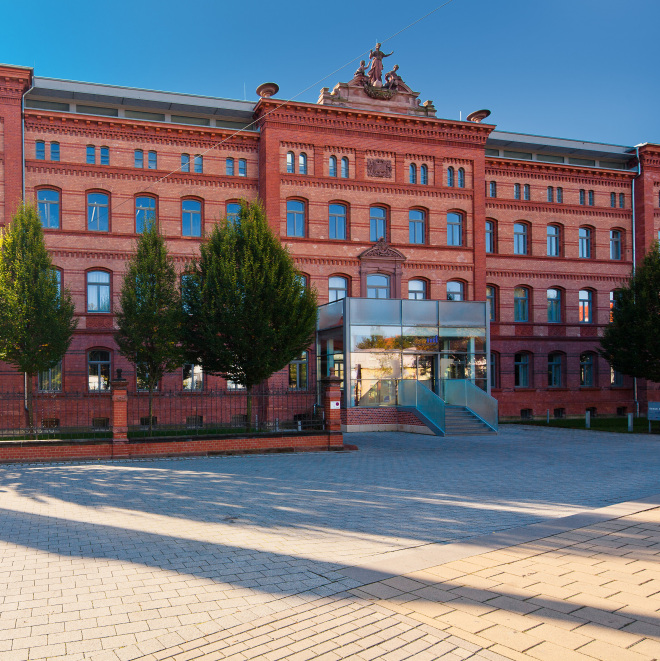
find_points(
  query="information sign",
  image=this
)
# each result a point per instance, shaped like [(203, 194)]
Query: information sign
[(654, 411)]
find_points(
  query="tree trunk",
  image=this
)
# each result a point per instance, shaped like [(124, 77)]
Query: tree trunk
[(151, 408), (248, 421), (29, 412)]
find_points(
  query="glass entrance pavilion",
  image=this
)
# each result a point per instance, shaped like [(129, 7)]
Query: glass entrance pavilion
[(374, 344)]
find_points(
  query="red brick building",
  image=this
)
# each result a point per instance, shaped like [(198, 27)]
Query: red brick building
[(545, 229)]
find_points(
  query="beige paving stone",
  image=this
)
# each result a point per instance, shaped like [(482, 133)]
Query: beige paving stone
[(608, 652), (649, 648), (551, 652)]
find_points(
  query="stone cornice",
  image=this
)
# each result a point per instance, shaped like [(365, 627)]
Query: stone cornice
[(130, 130), (348, 262), (557, 209), (14, 82), (556, 172), (531, 275), (140, 174)]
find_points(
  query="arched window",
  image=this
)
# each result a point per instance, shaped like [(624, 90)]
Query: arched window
[(344, 168), (242, 167), (516, 191), (193, 377), (54, 151), (337, 288), (185, 163), (553, 241), (302, 163), (191, 218), (90, 155), (585, 306), (40, 150), (298, 372), (622, 200), (491, 236), (97, 212), (138, 160), (145, 212), (152, 160), (592, 199), (492, 189), (551, 194), (332, 166), (233, 209), (295, 218), (455, 290), (454, 229), (98, 369), (527, 193), (554, 305), (105, 156), (520, 239), (521, 304), (98, 291), (229, 167), (198, 163), (377, 223), (555, 376), (560, 194), (290, 162), (416, 290), (614, 303), (337, 224), (521, 370), (450, 176), (491, 300), (412, 173), (48, 203), (615, 244), (583, 199), (424, 175), (461, 178), (613, 200), (587, 369), (378, 286), (584, 238), (417, 226)]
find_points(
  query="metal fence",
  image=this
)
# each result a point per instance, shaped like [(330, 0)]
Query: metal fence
[(177, 413)]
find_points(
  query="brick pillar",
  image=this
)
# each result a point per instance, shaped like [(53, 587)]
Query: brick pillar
[(332, 403), (119, 409)]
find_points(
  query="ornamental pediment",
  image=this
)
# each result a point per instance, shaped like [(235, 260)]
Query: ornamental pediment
[(381, 250)]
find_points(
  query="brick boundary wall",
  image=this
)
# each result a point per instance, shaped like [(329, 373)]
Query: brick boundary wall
[(381, 418), (54, 450)]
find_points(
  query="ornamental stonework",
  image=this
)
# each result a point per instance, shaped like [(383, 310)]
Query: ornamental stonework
[(379, 167)]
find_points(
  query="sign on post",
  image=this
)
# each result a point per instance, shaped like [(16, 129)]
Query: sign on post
[(654, 411)]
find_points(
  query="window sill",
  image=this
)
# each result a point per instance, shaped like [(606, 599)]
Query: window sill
[(523, 389), (556, 388), (589, 388)]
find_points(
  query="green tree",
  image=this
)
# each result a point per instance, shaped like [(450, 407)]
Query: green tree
[(36, 317), (249, 312), (149, 315), (631, 342)]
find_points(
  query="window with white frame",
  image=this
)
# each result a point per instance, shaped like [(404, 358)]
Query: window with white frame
[(416, 290)]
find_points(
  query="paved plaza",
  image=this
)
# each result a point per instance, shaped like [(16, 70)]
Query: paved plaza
[(535, 544)]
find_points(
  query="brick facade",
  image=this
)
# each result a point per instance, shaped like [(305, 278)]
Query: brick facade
[(396, 138)]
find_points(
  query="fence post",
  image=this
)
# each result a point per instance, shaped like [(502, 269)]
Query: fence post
[(119, 409), (332, 403)]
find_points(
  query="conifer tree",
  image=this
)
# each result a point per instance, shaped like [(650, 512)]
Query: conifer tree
[(149, 315), (631, 342), (36, 316), (249, 313)]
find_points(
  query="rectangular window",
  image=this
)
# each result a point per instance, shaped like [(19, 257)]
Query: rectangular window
[(516, 191), (191, 218), (54, 151), (554, 371), (98, 291), (615, 244), (582, 197), (50, 380), (554, 306), (520, 239), (613, 200), (48, 203), (185, 162), (337, 225), (521, 370), (242, 167), (492, 189), (152, 162), (295, 218), (553, 241), (416, 226), (454, 229), (490, 236), (298, 372), (377, 224), (193, 377), (585, 242), (40, 150), (105, 156), (585, 307), (98, 218), (199, 164), (551, 194), (91, 155), (138, 158), (229, 167), (591, 198), (520, 304), (527, 192), (560, 195), (622, 201)]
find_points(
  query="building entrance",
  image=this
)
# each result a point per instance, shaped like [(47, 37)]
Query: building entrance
[(423, 368)]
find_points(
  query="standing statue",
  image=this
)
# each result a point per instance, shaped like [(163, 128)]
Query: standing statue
[(376, 71)]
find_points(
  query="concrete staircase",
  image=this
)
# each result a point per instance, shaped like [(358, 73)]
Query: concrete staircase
[(460, 422)]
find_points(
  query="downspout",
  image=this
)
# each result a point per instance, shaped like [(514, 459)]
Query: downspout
[(25, 376), (634, 256)]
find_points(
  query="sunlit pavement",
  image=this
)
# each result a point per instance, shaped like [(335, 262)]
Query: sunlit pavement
[(301, 556)]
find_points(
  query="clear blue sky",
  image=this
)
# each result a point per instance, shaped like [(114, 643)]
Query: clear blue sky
[(584, 69)]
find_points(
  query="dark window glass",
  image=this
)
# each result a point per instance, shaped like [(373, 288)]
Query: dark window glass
[(615, 244), (492, 189), (585, 307), (337, 224), (622, 200), (554, 370), (98, 370), (554, 305), (461, 178), (332, 166), (417, 226), (145, 213), (587, 369), (450, 176), (54, 151), (138, 159), (377, 223), (490, 236), (494, 370), (591, 198), (560, 195), (527, 192), (521, 370), (295, 218), (298, 372), (185, 162), (521, 304), (378, 286), (48, 203), (97, 212), (516, 191), (424, 175), (613, 200), (191, 218), (454, 229), (582, 197), (98, 291), (412, 173), (551, 194), (491, 300)]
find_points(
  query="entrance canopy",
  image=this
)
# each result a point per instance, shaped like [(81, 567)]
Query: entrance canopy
[(372, 344)]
